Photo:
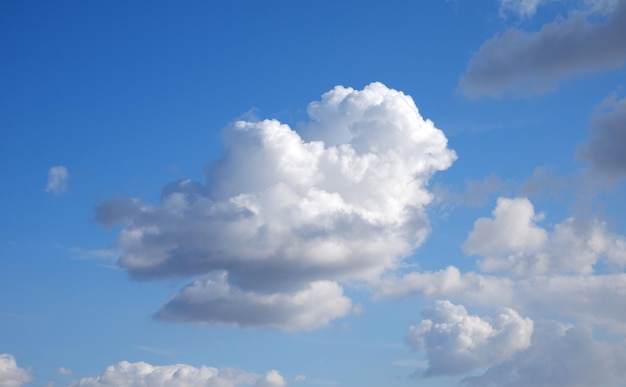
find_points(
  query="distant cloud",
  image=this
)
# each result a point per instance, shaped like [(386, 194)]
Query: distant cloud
[(522, 62), (299, 378), (457, 343), (178, 375), (474, 193), (538, 270), (289, 216), (522, 8), (560, 355), (606, 147), (57, 180), (64, 371), (594, 298), (513, 242), (10, 374)]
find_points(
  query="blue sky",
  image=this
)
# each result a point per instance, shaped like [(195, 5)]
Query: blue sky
[(313, 194)]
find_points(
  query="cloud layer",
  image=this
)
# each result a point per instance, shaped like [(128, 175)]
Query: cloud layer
[(285, 212), (534, 62), (125, 374)]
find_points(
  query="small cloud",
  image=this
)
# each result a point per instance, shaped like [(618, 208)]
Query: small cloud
[(65, 371), (57, 180), (522, 8), (299, 378)]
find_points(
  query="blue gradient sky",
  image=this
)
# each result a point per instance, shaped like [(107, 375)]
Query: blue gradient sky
[(129, 96)]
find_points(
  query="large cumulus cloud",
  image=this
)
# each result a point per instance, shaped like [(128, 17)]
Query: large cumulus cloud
[(140, 374), (533, 62), (290, 214)]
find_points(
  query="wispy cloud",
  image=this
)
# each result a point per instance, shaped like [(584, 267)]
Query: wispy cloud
[(58, 178)]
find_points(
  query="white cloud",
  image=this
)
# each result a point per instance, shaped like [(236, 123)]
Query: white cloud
[(511, 241), (522, 8), (456, 342), (125, 374), (64, 371), (57, 180), (534, 62), (340, 200), (595, 299), (559, 356), (299, 378), (10, 374), (213, 301)]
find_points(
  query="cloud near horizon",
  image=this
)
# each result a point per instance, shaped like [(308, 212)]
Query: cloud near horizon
[(512, 351), (289, 215), (125, 374), (10, 374)]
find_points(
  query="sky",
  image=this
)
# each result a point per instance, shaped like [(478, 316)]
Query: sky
[(330, 193)]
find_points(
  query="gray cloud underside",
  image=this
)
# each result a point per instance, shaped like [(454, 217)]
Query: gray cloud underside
[(606, 148), (534, 62), (559, 356)]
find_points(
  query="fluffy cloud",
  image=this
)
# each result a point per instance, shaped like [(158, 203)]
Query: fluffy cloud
[(512, 242), (457, 343), (533, 62), (285, 212), (125, 374), (559, 356), (212, 300), (592, 298), (605, 148), (57, 180), (10, 374)]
